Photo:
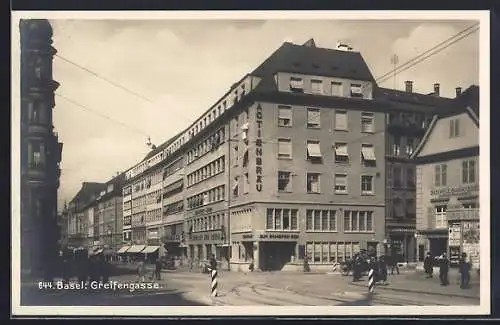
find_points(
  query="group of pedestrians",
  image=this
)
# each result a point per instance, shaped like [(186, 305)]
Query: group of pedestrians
[(442, 261)]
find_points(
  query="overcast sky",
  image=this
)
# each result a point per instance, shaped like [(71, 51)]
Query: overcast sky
[(183, 67)]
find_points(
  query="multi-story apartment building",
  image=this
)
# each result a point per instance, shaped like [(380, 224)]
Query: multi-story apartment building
[(40, 151), (448, 181), (109, 215), (286, 164), (81, 216), (408, 116)]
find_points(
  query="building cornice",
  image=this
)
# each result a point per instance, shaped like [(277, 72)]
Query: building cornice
[(448, 155)]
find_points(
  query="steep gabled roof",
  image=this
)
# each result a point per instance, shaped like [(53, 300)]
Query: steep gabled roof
[(459, 105), (87, 190), (309, 59)]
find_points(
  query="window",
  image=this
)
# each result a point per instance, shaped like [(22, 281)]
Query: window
[(36, 154), (313, 150), (341, 152), (368, 155), (284, 116), (397, 177), (313, 118), (367, 184), (454, 128), (367, 122), (410, 146), (321, 220), (468, 171), (341, 120), (296, 85), (246, 184), (336, 89), (358, 221), (340, 183), (410, 178), (282, 219), (284, 181), (410, 208), (235, 156), (235, 186), (356, 91), (440, 214), (396, 145), (313, 184), (284, 149), (317, 87), (440, 175)]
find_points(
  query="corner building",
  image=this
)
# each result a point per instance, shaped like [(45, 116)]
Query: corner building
[(307, 162), (448, 182)]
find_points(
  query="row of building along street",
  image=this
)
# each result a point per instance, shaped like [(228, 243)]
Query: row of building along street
[(305, 156)]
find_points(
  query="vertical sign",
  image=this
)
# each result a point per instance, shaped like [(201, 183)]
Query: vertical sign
[(258, 149)]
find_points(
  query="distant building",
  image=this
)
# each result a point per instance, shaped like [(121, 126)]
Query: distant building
[(40, 150), (109, 215), (448, 181), (81, 215), (408, 116)]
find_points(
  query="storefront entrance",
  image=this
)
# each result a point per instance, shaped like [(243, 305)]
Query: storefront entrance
[(274, 255), (438, 246)]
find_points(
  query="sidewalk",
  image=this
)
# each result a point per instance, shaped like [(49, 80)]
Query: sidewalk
[(417, 283)]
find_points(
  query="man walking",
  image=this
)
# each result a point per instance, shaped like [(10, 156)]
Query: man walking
[(464, 269), (428, 265), (444, 266), (394, 264), (158, 267), (213, 262)]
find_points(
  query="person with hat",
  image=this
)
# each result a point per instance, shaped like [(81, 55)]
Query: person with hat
[(464, 269), (428, 265)]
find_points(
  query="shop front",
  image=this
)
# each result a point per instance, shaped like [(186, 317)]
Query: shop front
[(464, 235), (269, 251)]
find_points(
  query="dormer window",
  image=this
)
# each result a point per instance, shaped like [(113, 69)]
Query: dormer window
[(356, 91), (296, 85)]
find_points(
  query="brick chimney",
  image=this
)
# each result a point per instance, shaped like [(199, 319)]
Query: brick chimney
[(436, 89), (458, 91), (409, 86)]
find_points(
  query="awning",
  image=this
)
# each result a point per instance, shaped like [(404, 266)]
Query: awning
[(368, 153), (123, 249), (313, 150), (150, 249), (341, 150), (136, 248)]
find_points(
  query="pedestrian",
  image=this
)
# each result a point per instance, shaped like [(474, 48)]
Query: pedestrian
[(141, 271), (428, 265), (190, 264), (374, 267), (382, 268), (306, 264), (158, 265), (464, 269), (444, 266), (213, 262), (394, 265), (355, 264), (251, 266)]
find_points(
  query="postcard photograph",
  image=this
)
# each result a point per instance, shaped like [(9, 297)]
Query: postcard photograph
[(250, 163)]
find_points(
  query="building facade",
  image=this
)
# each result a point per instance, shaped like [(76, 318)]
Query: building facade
[(408, 116), (448, 182), (287, 164), (108, 215), (40, 150), (81, 215)]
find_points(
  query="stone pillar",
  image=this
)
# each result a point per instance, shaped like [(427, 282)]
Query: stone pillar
[(256, 257), (204, 250)]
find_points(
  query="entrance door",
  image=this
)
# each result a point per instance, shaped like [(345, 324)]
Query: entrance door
[(276, 254), (438, 246), (421, 253)]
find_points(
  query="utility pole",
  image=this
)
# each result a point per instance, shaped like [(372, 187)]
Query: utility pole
[(394, 61)]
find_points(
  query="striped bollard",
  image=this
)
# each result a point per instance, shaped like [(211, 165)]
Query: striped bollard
[(214, 283), (334, 267), (371, 281)]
